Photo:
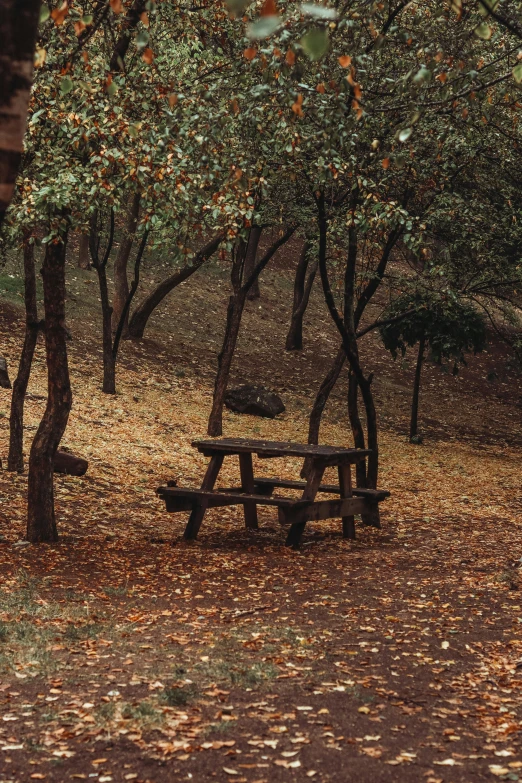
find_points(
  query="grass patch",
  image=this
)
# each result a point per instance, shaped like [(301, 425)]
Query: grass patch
[(179, 696)]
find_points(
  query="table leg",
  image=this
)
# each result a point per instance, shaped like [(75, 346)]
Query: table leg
[(345, 484), (198, 512), (315, 476), (247, 485)]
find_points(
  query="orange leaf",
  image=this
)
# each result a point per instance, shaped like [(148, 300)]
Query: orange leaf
[(148, 56), (290, 57), (144, 18), (173, 99), (250, 53), (321, 88), (117, 6), (269, 8), (296, 107), (79, 27), (386, 163), (442, 77), (59, 14), (345, 61)]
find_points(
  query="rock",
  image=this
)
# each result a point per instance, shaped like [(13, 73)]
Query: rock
[(5, 383), (255, 400), (69, 464)]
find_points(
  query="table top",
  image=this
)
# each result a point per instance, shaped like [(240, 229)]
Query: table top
[(271, 448)]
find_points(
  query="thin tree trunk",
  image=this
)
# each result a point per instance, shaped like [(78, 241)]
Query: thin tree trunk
[(15, 459), (18, 29), (121, 283), (84, 259), (250, 260), (236, 306), (416, 390), (143, 312), (109, 364), (41, 522), (302, 291), (357, 428)]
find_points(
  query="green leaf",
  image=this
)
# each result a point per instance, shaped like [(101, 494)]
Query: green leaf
[(44, 13), (66, 85), (319, 11), (142, 39), (483, 31), (112, 89), (422, 75), (263, 27), (405, 134), (517, 73), (315, 43), (87, 19)]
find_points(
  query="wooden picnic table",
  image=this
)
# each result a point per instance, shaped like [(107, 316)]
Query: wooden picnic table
[(259, 491)]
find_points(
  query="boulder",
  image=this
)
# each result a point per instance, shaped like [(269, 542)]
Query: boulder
[(254, 400), (69, 464), (5, 383)]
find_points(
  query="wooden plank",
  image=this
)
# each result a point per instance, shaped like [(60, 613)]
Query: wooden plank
[(321, 509), (333, 489), (310, 491), (272, 449), (218, 498), (247, 485), (345, 485), (198, 512)]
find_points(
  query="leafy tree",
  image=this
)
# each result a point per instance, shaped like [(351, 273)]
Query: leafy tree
[(446, 326)]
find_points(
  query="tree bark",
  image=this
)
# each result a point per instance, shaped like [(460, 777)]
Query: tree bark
[(109, 364), (236, 306), (129, 24), (143, 312), (416, 390), (357, 428), (250, 260), (84, 259), (302, 291), (18, 29), (41, 522), (121, 283), (15, 459)]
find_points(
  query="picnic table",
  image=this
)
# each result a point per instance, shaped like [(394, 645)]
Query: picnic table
[(253, 491)]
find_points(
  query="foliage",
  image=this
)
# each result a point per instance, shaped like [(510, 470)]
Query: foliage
[(450, 327)]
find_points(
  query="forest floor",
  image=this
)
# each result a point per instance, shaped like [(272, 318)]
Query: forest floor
[(128, 655)]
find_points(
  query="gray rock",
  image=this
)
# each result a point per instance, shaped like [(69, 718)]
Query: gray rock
[(5, 383), (254, 400)]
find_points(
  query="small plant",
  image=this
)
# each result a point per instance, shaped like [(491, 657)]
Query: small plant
[(179, 696), (3, 632)]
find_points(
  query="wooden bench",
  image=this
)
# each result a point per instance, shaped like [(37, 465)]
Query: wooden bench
[(295, 512)]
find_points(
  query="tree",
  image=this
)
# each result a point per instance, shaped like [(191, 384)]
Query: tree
[(448, 327)]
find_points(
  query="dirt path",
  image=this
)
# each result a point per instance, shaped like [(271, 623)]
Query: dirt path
[(126, 655)]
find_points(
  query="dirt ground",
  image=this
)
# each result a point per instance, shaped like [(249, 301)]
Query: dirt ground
[(128, 655)]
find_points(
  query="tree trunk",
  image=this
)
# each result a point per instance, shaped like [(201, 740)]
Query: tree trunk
[(15, 459), (84, 259), (416, 391), (143, 312), (302, 291), (121, 283), (250, 260), (109, 364), (18, 29), (357, 428), (236, 305), (41, 522)]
